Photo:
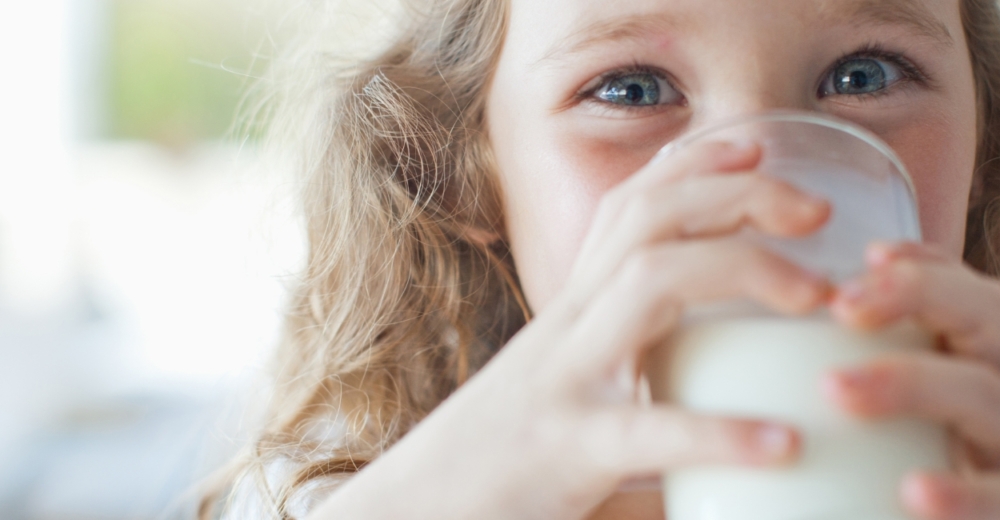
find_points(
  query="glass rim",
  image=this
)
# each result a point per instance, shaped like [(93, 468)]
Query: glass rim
[(796, 116)]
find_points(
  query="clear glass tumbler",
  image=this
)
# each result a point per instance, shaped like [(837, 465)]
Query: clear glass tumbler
[(740, 359)]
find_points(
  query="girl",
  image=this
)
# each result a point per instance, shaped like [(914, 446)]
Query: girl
[(491, 250)]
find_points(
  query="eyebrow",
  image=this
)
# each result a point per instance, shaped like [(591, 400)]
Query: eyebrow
[(629, 28), (906, 13)]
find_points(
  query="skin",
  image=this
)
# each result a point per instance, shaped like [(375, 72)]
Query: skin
[(732, 58), (610, 248)]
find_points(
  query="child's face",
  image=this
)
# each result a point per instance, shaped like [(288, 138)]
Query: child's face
[(561, 140)]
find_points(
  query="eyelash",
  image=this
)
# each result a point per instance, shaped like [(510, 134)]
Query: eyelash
[(588, 94), (911, 72)]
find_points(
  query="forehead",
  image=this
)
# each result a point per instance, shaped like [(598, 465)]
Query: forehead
[(567, 25)]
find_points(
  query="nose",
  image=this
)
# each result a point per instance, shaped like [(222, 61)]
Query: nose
[(761, 78), (748, 87), (751, 100), (743, 85)]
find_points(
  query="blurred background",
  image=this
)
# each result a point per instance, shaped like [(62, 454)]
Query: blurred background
[(143, 251)]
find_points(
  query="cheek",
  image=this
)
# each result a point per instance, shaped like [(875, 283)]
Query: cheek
[(594, 165), (939, 151), (552, 190), (586, 169)]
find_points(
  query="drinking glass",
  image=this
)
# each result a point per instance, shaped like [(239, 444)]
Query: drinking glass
[(738, 358)]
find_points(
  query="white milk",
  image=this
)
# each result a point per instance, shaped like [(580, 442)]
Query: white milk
[(770, 368)]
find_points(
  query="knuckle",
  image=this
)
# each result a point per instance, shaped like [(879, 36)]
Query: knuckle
[(550, 436), (737, 439), (914, 383), (700, 153), (763, 184), (601, 436), (768, 189), (640, 268), (986, 382), (650, 288), (771, 275), (698, 158), (904, 377), (640, 211), (549, 430), (911, 275), (762, 264), (764, 259)]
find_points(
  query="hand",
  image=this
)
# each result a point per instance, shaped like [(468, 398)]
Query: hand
[(551, 426), (959, 386)]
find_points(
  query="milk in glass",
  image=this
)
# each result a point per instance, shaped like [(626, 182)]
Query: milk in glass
[(770, 368)]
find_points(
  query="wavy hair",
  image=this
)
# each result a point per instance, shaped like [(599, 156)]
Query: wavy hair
[(406, 290)]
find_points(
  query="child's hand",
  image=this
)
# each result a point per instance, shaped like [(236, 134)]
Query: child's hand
[(960, 387), (552, 425)]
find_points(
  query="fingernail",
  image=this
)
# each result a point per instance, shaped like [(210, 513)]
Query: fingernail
[(855, 378), (914, 494), (775, 440), (934, 495), (849, 304), (846, 384), (853, 291), (878, 254), (864, 391), (813, 205), (731, 150), (867, 303), (742, 146), (830, 386)]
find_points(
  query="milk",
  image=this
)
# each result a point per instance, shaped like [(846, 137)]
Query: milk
[(770, 367)]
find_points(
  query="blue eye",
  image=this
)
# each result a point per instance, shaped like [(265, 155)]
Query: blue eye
[(638, 89), (861, 76)]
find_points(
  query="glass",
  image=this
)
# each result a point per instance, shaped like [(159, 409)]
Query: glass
[(740, 359)]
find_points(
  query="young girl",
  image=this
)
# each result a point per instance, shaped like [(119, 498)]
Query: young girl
[(491, 249)]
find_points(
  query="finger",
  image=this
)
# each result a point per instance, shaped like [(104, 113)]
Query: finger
[(948, 298), (950, 497), (642, 302), (641, 483), (634, 441), (712, 156), (960, 392), (703, 157), (882, 253), (695, 207), (712, 204)]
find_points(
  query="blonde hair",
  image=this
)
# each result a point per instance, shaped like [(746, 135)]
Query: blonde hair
[(406, 293)]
